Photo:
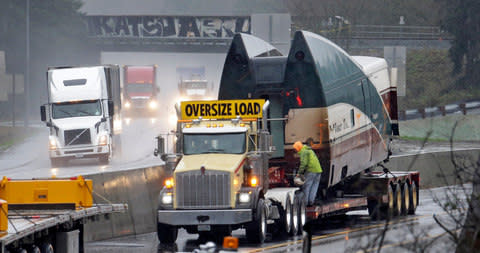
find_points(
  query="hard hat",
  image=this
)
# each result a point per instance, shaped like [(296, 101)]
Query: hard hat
[(297, 146), (298, 181)]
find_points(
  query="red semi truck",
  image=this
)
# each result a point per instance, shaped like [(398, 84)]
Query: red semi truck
[(140, 90)]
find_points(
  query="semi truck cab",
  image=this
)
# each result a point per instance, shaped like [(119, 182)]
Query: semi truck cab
[(82, 112), (220, 182)]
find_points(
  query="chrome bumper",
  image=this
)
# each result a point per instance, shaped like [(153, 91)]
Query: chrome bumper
[(79, 152), (204, 217)]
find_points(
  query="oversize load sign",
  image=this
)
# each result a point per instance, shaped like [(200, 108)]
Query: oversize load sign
[(222, 109)]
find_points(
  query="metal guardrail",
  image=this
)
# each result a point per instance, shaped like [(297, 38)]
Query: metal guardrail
[(472, 107), (400, 32)]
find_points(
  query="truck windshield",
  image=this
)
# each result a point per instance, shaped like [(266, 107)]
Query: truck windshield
[(76, 109), (225, 143), (139, 88)]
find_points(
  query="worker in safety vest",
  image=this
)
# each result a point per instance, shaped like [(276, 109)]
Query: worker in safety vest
[(311, 169)]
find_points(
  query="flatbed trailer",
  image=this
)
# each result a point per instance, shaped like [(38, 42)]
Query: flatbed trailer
[(39, 227), (47, 215)]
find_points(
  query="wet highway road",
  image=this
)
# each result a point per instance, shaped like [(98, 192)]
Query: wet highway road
[(354, 232)]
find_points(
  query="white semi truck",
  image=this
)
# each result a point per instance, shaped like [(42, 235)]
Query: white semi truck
[(83, 112)]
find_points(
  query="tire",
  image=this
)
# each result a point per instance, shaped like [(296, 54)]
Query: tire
[(373, 209), (166, 233), (295, 225), (287, 216), (46, 248), (405, 199), (257, 229), (413, 191), (34, 249), (386, 211), (397, 205), (302, 213)]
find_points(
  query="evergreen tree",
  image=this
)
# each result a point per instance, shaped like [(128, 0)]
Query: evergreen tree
[(462, 20)]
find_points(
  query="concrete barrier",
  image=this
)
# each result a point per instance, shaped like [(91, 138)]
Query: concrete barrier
[(138, 188), (436, 169)]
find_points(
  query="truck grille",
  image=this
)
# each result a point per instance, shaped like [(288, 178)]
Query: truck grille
[(207, 191), (84, 138)]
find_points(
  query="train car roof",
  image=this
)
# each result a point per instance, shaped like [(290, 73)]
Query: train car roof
[(370, 64)]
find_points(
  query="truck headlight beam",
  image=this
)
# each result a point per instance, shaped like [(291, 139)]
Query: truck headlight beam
[(152, 104), (167, 199), (244, 197)]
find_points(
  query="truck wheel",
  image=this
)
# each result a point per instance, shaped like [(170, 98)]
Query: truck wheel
[(257, 229), (166, 233), (287, 216), (397, 205), (413, 191), (46, 248), (302, 213), (294, 230), (34, 249), (405, 199)]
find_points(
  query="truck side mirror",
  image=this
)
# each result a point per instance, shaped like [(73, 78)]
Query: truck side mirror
[(43, 113), (110, 108), (160, 150)]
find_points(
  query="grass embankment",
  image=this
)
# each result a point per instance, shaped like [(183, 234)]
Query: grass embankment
[(461, 127), (10, 136)]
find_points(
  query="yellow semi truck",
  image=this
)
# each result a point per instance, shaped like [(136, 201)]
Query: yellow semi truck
[(221, 181)]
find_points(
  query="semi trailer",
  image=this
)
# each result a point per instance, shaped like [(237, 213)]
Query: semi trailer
[(235, 163), (83, 113), (140, 90)]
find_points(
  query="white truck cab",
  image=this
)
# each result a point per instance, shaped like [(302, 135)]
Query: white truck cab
[(80, 112)]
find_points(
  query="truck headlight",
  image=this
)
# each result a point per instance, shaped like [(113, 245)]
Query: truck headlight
[(103, 140), (127, 104), (244, 197), (52, 143), (167, 198), (152, 104)]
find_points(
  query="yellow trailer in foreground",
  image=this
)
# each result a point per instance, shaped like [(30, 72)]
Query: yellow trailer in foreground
[(47, 215)]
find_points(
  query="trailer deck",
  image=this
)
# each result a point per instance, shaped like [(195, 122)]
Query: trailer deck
[(23, 223)]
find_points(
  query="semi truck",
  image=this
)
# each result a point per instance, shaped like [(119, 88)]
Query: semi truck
[(235, 164), (193, 84), (140, 90), (37, 216), (83, 113)]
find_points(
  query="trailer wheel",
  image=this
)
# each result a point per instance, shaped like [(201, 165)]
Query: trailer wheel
[(388, 211), (46, 248), (295, 214), (257, 229), (287, 216), (34, 249), (302, 213), (405, 199), (373, 209), (413, 191), (166, 233), (397, 200)]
